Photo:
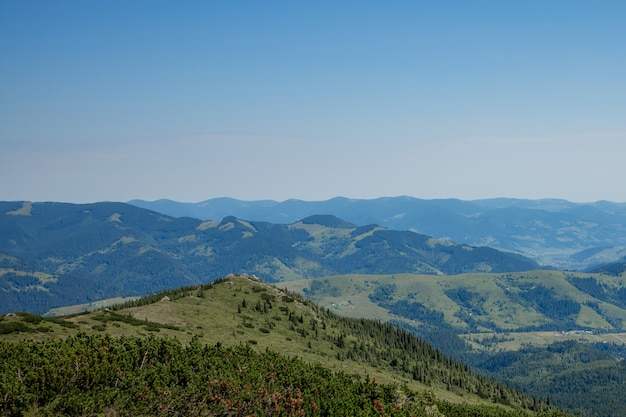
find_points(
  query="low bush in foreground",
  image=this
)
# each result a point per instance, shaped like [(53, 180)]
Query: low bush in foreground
[(97, 374)]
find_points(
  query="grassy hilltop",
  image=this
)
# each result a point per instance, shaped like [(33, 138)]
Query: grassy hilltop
[(164, 354), (478, 303)]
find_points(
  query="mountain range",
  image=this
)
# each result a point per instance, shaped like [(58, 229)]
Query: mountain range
[(55, 254), (541, 330), (553, 232)]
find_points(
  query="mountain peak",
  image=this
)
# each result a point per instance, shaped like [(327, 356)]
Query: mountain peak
[(328, 220)]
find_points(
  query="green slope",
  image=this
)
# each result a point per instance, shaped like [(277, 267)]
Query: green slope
[(479, 303), (242, 311), (549, 333)]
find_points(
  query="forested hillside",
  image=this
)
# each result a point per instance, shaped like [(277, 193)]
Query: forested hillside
[(556, 301), (91, 375), (548, 333), (54, 254), (171, 354), (587, 378), (554, 232)]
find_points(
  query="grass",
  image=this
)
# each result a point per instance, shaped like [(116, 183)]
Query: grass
[(348, 295), (352, 296), (220, 315), (516, 340), (95, 305), (41, 276)]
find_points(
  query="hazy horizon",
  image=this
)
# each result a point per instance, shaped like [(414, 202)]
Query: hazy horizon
[(114, 101)]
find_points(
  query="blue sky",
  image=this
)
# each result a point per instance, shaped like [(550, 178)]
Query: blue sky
[(189, 100)]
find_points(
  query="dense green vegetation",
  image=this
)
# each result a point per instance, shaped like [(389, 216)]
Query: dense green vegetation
[(31, 323), (490, 320), (602, 291), (245, 334), (96, 374), (586, 378)]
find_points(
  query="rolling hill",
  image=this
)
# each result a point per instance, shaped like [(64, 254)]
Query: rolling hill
[(469, 301), (55, 254), (477, 303), (236, 347), (555, 333), (553, 232)]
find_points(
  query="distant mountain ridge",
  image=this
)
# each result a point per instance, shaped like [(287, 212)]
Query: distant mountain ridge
[(553, 232), (54, 254)]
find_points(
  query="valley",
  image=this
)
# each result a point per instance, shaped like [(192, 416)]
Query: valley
[(550, 336), (321, 209), (540, 331), (56, 254)]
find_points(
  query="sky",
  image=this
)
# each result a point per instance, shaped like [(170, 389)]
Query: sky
[(190, 100)]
